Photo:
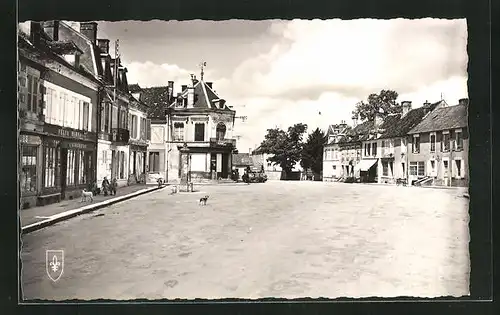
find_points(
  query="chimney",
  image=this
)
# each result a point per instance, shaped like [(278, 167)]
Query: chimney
[(222, 103), (34, 33), (103, 46), (354, 121), (184, 88), (209, 84), (378, 121), (190, 97), (52, 29), (170, 91), (406, 105), (463, 101), (89, 30)]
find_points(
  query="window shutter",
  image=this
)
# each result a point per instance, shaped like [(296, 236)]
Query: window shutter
[(130, 122), (148, 129)]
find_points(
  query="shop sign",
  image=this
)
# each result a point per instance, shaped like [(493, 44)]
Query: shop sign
[(77, 145), (68, 133), (29, 139)]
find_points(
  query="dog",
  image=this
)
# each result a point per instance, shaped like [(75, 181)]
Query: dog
[(87, 195), (203, 201)]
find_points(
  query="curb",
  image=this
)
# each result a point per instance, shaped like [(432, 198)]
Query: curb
[(56, 218)]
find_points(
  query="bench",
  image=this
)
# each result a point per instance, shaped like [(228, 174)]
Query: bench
[(43, 199)]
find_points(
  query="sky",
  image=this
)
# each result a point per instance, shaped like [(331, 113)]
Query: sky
[(278, 73)]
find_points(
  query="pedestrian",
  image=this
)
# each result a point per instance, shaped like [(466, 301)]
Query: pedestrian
[(105, 186), (114, 186)]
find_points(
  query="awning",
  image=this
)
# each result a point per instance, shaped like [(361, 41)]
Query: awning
[(365, 164)]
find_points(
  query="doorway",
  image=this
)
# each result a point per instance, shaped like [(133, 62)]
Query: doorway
[(64, 171), (225, 166)]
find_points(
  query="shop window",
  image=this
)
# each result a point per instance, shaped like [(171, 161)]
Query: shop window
[(71, 168), (28, 168), (50, 159), (385, 169), (417, 168), (154, 162)]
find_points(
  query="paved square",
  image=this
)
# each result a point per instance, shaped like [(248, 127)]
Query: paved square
[(277, 239)]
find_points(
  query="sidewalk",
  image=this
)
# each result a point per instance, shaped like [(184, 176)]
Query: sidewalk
[(38, 214)]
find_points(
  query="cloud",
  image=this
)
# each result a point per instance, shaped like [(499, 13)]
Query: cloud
[(328, 65)]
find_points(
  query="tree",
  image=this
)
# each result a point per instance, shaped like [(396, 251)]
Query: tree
[(384, 103), (284, 146), (312, 154)]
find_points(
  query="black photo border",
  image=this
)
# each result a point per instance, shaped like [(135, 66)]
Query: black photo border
[(478, 15)]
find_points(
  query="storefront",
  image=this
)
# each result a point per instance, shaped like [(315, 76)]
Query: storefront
[(68, 161), (30, 168)]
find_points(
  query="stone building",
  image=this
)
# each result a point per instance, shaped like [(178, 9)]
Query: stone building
[(332, 166), (440, 147), (58, 97), (195, 116)]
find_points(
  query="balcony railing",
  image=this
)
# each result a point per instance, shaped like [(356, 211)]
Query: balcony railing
[(120, 135), (214, 142)]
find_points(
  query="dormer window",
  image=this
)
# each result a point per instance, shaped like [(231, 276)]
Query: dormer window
[(179, 102)]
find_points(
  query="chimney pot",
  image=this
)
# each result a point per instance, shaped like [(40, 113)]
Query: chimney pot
[(463, 101), (406, 106), (89, 30)]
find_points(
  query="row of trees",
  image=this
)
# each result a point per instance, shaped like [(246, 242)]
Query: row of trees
[(288, 147)]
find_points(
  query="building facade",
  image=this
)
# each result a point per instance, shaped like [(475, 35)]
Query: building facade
[(439, 147), (332, 166), (140, 136), (197, 117), (57, 102)]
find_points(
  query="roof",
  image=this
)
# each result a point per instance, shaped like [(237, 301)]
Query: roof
[(156, 98), (134, 88), (64, 48), (400, 126), (204, 96), (242, 159), (444, 118)]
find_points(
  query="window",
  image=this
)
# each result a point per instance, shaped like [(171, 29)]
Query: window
[(328, 154), (133, 127), (199, 132), (123, 118), (416, 144), (114, 117), (148, 129), (178, 131), (417, 168), (374, 149), (459, 142), (367, 149), (433, 142), (62, 109), (154, 162), (86, 109), (385, 169), (28, 168), (221, 131), (458, 169), (32, 93), (445, 145), (75, 104), (143, 128), (71, 167), (50, 158)]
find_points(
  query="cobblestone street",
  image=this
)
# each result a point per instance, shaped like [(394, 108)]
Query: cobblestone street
[(278, 239)]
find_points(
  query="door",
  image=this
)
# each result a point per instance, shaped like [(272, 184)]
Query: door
[(64, 171), (225, 168)]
